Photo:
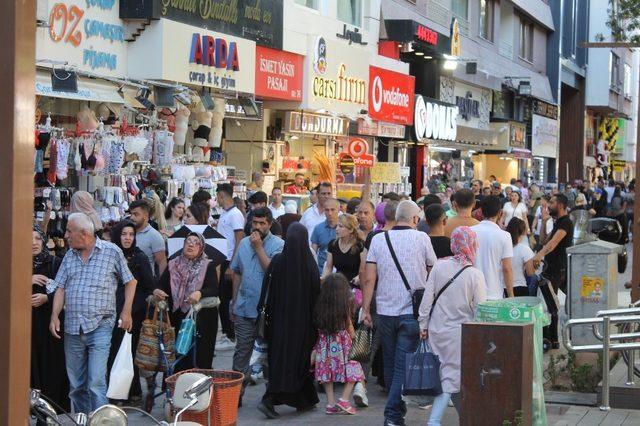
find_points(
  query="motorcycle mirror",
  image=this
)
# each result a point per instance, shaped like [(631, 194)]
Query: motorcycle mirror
[(198, 388), (108, 415)]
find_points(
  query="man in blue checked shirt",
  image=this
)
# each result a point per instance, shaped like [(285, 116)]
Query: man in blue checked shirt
[(86, 286)]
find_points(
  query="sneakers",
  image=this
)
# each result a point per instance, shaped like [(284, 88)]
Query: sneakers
[(225, 344), (345, 407), (329, 409), (360, 395)]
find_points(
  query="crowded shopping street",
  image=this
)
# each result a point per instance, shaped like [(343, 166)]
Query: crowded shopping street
[(305, 212)]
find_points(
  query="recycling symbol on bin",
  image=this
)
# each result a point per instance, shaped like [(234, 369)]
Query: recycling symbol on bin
[(514, 313)]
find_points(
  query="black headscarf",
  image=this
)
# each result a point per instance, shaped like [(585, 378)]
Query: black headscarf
[(44, 256), (116, 237), (293, 290)]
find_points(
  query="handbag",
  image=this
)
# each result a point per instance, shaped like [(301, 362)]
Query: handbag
[(416, 296), (263, 317), (186, 334), (361, 344), (157, 341), (422, 372)]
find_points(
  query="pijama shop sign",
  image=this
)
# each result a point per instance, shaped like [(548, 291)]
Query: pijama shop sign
[(434, 119)]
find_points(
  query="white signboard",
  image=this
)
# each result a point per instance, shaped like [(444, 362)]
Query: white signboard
[(544, 136), (87, 34), (434, 120), (172, 51), (336, 76)]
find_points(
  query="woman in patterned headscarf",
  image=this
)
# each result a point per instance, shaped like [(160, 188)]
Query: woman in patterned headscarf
[(458, 287), (48, 372), (190, 277)]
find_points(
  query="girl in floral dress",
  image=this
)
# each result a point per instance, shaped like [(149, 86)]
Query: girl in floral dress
[(330, 355)]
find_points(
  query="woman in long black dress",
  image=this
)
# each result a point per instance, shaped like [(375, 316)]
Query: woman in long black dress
[(123, 235), (188, 279), (293, 283), (48, 371)]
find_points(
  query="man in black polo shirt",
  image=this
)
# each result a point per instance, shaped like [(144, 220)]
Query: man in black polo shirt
[(554, 253)]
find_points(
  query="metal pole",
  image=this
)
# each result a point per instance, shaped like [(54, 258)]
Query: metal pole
[(605, 364), (635, 226), (630, 364)]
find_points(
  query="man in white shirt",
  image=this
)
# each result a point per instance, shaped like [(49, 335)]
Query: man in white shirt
[(495, 250), (276, 206), (231, 226), (314, 215), (398, 328)]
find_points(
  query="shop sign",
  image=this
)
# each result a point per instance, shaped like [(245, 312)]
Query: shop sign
[(278, 74), (172, 51), (354, 36), (337, 76), (618, 165), (346, 164), (381, 129), (434, 119), (468, 106), (358, 148), (427, 35), (87, 34), (545, 109), (544, 136), (474, 103), (257, 20), (517, 135), (391, 96), (316, 124), (234, 109), (386, 173)]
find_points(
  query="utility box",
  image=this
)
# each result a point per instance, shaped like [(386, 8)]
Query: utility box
[(496, 374), (592, 278)]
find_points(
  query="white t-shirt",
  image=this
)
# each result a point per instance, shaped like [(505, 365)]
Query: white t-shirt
[(522, 253), (519, 211), (277, 211), (230, 221), (494, 245), (312, 217)]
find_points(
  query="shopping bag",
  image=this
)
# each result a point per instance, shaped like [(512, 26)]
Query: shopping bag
[(186, 334), (157, 339), (361, 344), (422, 372), (121, 371), (259, 354)]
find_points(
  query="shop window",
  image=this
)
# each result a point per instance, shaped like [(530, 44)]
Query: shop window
[(460, 8), (350, 11), (525, 50), (486, 19), (627, 81), (313, 4), (614, 71)]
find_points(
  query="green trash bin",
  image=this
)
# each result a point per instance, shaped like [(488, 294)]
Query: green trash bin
[(523, 310)]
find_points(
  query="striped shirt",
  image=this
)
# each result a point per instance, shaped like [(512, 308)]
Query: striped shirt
[(90, 287), (415, 253)]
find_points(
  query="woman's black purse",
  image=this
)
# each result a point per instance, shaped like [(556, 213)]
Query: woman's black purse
[(263, 317)]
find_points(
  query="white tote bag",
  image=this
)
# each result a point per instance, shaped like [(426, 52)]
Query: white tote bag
[(122, 371)]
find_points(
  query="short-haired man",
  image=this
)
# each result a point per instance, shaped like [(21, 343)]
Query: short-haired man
[(256, 201), (325, 232), (298, 186), (554, 253), (231, 226), (253, 257), (428, 200), (257, 179), (148, 239), (399, 330), (86, 287), (366, 218), (276, 206), (463, 203), (390, 196), (495, 250), (314, 215), (437, 220)]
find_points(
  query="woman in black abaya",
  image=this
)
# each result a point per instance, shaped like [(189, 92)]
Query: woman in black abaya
[(48, 371), (293, 285)]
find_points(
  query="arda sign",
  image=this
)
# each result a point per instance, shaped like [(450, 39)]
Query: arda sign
[(434, 120), (214, 52)]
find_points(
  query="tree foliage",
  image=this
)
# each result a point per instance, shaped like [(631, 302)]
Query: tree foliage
[(624, 20)]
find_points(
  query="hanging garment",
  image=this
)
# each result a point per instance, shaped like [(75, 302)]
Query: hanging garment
[(163, 149), (62, 167), (116, 157), (39, 161), (53, 162)]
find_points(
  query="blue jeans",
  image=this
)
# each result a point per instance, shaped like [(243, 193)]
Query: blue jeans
[(86, 357), (399, 336), (440, 404)]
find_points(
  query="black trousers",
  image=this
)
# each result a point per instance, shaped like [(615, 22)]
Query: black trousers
[(226, 294), (519, 291), (558, 280)]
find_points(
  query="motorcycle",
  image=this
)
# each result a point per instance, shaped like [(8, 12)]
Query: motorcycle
[(196, 394)]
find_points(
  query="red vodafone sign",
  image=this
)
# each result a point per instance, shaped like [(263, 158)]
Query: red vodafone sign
[(358, 148), (391, 96)]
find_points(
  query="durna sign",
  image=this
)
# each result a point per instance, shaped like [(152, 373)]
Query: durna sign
[(434, 120)]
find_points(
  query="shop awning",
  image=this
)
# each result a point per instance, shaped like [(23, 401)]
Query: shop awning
[(478, 137), (88, 89)]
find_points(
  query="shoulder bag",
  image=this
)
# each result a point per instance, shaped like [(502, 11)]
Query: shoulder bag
[(433, 305), (156, 342), (262, 321)]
